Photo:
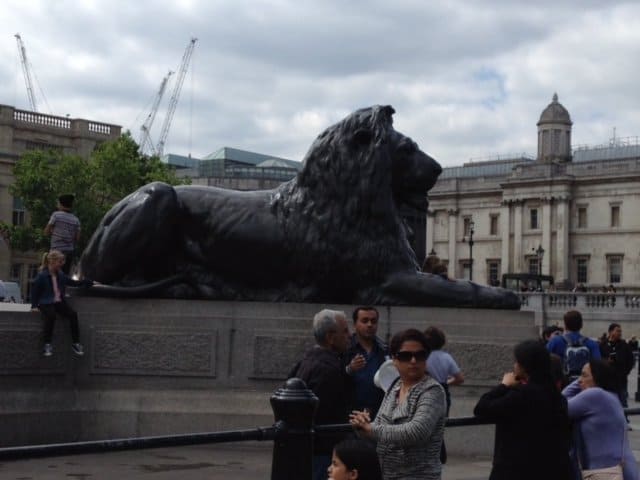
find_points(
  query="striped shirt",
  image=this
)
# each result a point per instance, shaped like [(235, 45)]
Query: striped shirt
[(65, 228), (409, 434)]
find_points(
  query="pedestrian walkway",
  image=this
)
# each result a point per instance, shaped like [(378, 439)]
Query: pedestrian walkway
[(245, 460)]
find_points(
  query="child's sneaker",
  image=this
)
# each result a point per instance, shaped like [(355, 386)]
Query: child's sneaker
[(47, 351), (77, 349)]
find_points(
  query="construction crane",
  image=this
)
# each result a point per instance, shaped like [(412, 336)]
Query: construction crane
[(27, 73), (173, 101), (145, 135)]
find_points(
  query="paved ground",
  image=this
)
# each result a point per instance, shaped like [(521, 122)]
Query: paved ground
[(247, 460), (215, 462)]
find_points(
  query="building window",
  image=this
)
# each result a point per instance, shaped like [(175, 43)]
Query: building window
[(533, 219), (556, 141), (582, 217), (615, 215), (466, 270), (493, 273), (18, 211), (582, 268), (493, 225), (16, 272), (446, 264), (33, 271), (45, 147), (534, 266), (466, 226), (614, 268)]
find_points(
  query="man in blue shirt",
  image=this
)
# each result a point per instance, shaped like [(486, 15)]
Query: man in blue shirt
[(571, 338), (365, 355)]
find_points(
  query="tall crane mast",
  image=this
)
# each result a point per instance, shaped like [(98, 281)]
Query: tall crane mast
[(27, 73), (145, 134), (173, 102)]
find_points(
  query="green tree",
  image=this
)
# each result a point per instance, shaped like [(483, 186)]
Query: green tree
[(114, 170)]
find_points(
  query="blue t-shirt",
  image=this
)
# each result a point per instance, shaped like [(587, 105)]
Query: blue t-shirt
[(558, 345), (441, 366)]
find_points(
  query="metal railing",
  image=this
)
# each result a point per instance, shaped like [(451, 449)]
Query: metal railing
[(292, 433)]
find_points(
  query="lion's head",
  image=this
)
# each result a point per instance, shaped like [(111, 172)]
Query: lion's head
[(356, 176), (364, 158)]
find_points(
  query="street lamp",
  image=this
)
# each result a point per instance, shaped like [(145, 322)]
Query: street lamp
[(432, 253), (540, 254), (470, 242)]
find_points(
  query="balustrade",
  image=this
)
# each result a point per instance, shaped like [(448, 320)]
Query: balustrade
[(58, 122), (101, 128), (41, 119), (585, 302)]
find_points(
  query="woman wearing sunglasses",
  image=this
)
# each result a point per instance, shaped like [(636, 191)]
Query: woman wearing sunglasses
[(532, 422), (410, 423)]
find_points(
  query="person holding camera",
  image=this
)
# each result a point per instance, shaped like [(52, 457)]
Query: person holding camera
[(531, 417)]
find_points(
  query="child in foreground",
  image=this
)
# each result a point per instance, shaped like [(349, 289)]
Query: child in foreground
[(354, 458)]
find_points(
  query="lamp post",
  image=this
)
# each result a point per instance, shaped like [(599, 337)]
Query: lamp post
[(540, 254), (470, 242)]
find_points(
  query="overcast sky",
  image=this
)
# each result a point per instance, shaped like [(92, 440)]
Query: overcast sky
[(468, 79)]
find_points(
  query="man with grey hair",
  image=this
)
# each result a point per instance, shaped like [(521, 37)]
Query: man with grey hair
[(321, 368)]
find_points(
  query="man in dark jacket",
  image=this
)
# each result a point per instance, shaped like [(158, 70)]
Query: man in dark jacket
[(619, 355), (322, 369), (364, 356)]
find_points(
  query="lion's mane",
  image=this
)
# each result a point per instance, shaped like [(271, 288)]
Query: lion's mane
[(339, 213)]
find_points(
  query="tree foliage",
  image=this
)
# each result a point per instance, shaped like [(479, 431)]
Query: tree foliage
[(114, 170)]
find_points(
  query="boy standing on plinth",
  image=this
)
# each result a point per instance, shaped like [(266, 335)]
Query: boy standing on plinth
[(64, 228)]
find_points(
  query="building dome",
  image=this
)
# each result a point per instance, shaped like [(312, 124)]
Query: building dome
[(554, 133), (555, 113)]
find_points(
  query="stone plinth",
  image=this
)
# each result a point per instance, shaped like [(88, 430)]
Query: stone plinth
[(176, 366)]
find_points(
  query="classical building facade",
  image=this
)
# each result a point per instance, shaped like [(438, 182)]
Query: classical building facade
[(21, 131), (569, 213)]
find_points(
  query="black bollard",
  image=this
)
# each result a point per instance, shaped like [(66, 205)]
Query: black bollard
[(294, 408)]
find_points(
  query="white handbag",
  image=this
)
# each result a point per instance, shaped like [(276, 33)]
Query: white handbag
[(386, 375)]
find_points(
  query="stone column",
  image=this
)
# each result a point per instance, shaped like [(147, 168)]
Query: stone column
[(430, 234), (517, 236), (504, 231), (546, 236), (453, 259), (562, 241)]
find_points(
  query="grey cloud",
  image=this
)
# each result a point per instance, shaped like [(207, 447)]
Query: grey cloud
[(468, 79)]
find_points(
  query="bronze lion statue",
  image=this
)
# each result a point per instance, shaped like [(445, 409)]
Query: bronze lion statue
[(333, 234)]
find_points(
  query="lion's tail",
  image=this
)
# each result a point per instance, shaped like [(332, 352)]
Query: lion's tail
[(138, 291)]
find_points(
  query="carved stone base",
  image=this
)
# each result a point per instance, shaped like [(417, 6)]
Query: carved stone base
[(177, 366)]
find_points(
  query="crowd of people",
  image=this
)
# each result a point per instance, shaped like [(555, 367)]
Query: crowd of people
[(558, 414)]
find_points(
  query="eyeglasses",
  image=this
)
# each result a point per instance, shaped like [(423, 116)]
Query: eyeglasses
[(406, 356)]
